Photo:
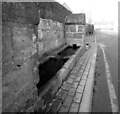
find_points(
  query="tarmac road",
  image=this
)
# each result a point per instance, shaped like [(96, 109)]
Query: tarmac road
[(105, 85)]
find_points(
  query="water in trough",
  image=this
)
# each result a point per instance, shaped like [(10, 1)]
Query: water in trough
[(49, 68)]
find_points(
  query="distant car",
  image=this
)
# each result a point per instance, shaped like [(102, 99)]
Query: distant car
[(89, 29)]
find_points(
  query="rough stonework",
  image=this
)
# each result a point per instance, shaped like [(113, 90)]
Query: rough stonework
[(75, 29), (21, 43), (50, 35)]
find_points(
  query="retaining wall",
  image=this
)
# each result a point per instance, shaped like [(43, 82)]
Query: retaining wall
[(18, 58), (25, 37)]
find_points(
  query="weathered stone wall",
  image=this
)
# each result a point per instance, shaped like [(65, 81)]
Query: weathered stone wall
[(50, 35), (18, 57), (75, 34), (23, 42), (29, 12), (53, 11), (75, 29)]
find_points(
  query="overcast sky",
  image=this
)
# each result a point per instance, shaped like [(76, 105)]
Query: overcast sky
[(97, 10)]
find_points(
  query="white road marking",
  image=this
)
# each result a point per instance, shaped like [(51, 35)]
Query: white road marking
[(113, 98), (95, 39)]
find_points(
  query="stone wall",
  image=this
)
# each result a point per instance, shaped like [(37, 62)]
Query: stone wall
[(53, 11), (75, 34), (75, 29), (50, 35), (25, 37), (29, 12), (18, 58)]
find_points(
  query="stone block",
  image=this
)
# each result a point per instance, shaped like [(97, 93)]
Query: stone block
[(44, 24), (68, 101), (62, 74), (72, 75), (74, 107), (81, 28), (78, 35), (48, 45), (80, 89), (84, 77), (77, 97), (71, 91), (68, 35), (76, 18), (80, 73), (67, 28), (70, 28), (64, 109), (77, 79), (74, 72), (70, 80), (82, 82), (75, 84), (44, 35), (62, 94), (66, 86)]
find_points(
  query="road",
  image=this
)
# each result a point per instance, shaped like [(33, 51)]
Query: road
[(106, 79), (0, 68)]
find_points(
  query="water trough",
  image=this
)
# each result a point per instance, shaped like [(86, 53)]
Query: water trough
[(54, 71), (53, 64)]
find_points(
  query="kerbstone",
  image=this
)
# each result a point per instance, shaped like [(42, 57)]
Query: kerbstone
[(82, 82), (66, 86), (75, 84), (62, 94), (77, 97), (84, 77), (74, 107), (64, 109), (80, 89)]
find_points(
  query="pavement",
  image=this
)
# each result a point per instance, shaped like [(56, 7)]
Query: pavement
[(76, 92)]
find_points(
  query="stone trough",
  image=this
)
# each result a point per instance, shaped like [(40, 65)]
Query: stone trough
[(54, 71)]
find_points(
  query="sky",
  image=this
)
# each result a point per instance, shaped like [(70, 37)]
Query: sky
[(98, 11)]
